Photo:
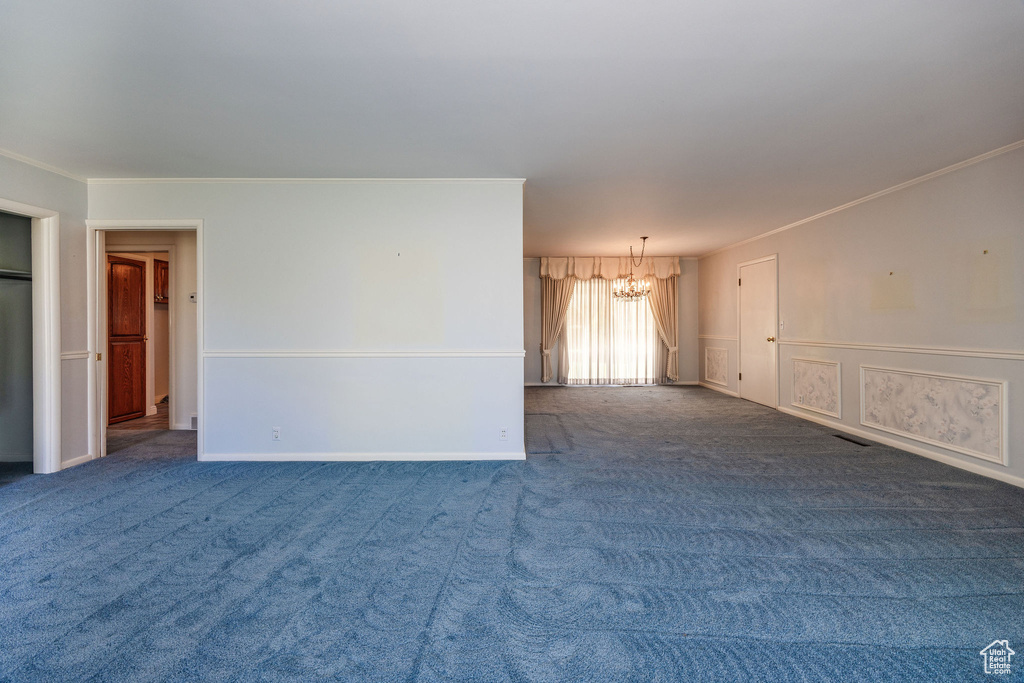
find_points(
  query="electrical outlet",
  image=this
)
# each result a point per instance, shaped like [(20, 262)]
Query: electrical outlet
[(275, 433), (503, 434), (800, 399)]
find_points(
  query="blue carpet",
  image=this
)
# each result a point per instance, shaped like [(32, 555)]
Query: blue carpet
[(655, 534)]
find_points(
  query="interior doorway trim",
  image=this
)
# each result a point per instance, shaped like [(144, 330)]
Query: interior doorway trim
[(45, 334), (96, 229)]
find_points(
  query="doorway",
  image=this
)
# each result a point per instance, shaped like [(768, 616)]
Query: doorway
[(758, 325), (138, 337), (158, 359), (15, 341), (45, 359)]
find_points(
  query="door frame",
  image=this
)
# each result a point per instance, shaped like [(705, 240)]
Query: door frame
[(46, 354), (739, 326), (96, 315)]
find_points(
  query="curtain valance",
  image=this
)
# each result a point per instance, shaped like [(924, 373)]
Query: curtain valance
[(607, 267)]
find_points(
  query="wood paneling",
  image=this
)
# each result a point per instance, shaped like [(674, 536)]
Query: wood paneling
[(126, 329)]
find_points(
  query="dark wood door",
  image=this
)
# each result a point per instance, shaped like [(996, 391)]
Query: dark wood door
[(126, 334)]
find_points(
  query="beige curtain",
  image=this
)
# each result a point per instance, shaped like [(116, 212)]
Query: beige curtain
[(554, 302), (662, 300), (608, 341)]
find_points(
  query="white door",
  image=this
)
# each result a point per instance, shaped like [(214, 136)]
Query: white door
[(758, 324)]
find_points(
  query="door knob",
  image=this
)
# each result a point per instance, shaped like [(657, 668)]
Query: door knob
[(771, 339)]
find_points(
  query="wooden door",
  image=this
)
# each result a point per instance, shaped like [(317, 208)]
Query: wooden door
[(126, 339), (160, 271), (758, 304)]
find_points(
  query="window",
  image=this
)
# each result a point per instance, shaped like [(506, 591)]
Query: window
[(609, 341)]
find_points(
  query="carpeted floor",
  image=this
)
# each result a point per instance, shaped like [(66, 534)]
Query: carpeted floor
[(654, 534)]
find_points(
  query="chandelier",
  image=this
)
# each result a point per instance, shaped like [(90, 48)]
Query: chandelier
[(633, 289)]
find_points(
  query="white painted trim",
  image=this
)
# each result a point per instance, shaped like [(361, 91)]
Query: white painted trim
[(76, 355), (364, 353), (901, 348), (96, 229), (717, 337), (739, 328), (839, 387), (721, 390), (910, 448), (41, 165), (169, 225), (542, 384), (760, 259), (82, 459), (1002, 459), (708, 379), (683, 383), (358, 457), (306, 181), (181, 426), (46, 382), (881, 193)]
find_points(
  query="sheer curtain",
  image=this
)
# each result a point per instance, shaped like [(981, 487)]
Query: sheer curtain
[(609, 341)]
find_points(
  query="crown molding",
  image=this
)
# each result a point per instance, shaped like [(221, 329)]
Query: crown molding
[(881, 193), (304, 181), (40, 165)]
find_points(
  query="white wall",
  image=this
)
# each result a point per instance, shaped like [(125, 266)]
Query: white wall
[(365, 319), (28, 184), (945, 304), (184, 400), (687, 320)]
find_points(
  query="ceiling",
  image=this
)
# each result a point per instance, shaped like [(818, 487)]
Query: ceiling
[(698, 123)]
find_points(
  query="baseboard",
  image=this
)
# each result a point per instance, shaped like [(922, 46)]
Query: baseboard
[(541, 384), (721, 390), (151, 411), (684, 383), (183, 426), (910, 448), (357, 457), (77, 461)]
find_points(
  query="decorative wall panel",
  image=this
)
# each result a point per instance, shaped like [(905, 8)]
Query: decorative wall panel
[(961, 414), (716, 365), (817, 386)]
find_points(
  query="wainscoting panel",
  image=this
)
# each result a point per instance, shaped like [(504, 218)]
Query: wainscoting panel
[(817, 386), (716, 365), (962, 414)]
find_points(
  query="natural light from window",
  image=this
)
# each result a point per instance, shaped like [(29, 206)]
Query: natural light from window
[(609, 341)]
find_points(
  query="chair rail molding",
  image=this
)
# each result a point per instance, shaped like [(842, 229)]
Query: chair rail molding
[(905, 348), (362, 353)]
